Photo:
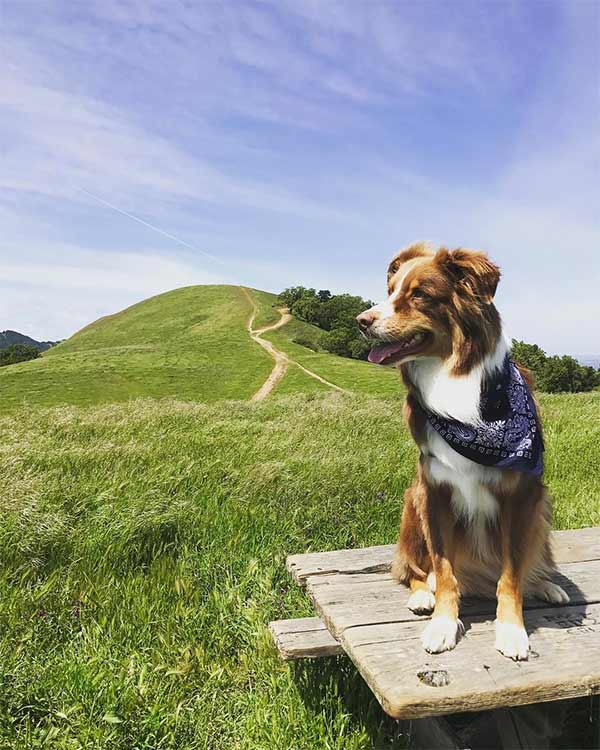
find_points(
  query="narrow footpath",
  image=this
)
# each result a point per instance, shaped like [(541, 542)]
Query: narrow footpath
[(282, 361)]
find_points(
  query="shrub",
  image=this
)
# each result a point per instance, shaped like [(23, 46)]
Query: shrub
[(338, 341), (17, 353), (555, 374)]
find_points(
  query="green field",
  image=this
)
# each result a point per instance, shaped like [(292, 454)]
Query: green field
[(352, 374), (143, 542), (143, 551)]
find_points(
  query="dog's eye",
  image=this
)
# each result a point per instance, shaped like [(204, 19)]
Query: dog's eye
[(418, 294)]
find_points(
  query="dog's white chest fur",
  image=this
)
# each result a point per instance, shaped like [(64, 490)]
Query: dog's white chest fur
[(470, 482), (473, 499)]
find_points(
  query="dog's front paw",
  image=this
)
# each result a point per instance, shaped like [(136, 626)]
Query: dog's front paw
[(421, 601), (512, 640), (551, 592), (441, 634)]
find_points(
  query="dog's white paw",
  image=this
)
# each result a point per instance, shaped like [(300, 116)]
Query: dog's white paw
[(511, 640), (431, 581), (551, 592), (421, 601), (441, 634)]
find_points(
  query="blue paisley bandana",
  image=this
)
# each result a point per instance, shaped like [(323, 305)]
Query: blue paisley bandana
[(508, 435)]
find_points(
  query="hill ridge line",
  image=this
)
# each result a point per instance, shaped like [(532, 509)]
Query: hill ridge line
[(282, 361)]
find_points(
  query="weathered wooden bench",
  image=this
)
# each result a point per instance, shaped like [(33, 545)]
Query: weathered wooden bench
[(362, 612)]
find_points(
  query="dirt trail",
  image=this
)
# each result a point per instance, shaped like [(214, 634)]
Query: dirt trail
[(282, 361)]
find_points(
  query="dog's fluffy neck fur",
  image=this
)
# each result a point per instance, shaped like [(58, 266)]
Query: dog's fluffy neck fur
[(453, 396)]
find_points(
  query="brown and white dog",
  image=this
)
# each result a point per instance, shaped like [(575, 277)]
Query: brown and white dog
[(466, 528)]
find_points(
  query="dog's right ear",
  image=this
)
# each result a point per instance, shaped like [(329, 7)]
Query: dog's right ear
[(471, 270)]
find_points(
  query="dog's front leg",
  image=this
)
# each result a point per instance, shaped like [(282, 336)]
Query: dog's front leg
[(521, 539), (437, 518)]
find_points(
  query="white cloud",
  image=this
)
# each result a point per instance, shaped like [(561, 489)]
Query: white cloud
[(73, 287)]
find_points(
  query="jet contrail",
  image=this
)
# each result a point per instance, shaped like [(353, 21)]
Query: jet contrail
[(151, 226)]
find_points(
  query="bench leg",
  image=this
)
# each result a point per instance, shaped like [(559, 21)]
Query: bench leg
[(433, 732), (530, 727), (520, 728)]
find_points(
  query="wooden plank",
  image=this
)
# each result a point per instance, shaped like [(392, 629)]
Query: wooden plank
[(572, 545), (576, 545), (304, 638), (564, 663), (365, 611), (347, 601), (366, 599), (365, 560)]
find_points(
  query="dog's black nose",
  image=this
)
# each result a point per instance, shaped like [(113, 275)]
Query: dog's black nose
[(366, 319)]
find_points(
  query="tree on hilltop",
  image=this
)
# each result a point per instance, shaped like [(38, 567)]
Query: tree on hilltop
[(17, 353), (334, 314)]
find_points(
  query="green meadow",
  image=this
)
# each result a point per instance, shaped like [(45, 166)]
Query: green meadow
[(143, 539), (190, 343)]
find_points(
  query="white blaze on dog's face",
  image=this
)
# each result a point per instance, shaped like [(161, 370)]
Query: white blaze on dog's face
[(438, 301)]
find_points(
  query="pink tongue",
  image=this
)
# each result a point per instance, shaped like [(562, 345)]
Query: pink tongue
[(380, 353)]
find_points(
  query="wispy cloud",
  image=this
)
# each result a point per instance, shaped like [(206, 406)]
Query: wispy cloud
[(137, 272), (61, 141)]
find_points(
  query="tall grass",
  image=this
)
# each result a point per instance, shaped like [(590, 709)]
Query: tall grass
[(143, 547)]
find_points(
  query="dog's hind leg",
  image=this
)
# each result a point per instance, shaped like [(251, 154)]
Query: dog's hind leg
[(422, 600), (410, 557), (539, 584), (548, 591), (412, 564)]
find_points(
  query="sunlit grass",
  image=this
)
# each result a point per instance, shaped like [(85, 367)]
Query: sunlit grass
[(143, 548)]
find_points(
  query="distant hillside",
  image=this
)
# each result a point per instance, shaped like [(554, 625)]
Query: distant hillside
[(7, 338), (190, 344)]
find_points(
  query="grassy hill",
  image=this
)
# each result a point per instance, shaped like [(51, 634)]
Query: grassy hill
[(191, 343), (351, 374)]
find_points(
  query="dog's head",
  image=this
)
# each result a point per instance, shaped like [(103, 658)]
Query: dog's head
[(440, 304)]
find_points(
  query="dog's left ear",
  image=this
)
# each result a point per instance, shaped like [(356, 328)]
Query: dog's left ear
[(473, 270)]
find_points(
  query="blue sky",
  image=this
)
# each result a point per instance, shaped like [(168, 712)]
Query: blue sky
[(297, 142)]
